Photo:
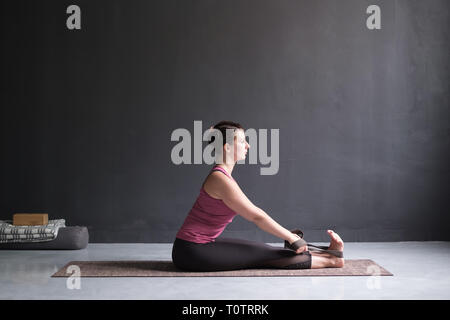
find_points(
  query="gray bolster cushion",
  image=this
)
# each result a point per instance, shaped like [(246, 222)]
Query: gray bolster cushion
[(68, 238)]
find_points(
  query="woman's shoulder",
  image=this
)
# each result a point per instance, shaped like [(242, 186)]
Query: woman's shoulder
[(214, 182)]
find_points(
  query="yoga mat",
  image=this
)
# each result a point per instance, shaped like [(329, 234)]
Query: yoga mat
[(145, 268)]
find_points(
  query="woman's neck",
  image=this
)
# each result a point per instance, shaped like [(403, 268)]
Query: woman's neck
[(227, 166)]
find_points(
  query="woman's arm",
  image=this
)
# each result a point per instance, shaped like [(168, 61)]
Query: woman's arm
[(231, 194), (266, 223)]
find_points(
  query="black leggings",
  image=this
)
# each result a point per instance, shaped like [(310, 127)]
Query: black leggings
[(232, 254)]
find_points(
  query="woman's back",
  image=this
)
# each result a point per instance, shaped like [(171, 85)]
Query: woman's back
[(208, 217)]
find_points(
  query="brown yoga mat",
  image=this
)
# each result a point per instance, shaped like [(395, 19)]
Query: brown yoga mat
[(145, 268)]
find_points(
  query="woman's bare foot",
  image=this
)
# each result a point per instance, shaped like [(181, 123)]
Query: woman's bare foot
[(336, 243), (326, 260)]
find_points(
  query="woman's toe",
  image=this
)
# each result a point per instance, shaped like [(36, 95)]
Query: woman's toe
[(335, 236)]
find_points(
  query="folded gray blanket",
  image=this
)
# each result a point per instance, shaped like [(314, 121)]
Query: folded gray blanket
[(47, 232)]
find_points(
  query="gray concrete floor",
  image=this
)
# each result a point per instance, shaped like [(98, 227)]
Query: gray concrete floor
[(421, 271)]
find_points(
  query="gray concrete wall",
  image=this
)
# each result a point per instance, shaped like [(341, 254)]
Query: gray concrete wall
[(87, 114)]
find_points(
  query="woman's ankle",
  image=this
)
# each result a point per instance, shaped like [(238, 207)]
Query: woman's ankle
[(337, 262), (326, 260)]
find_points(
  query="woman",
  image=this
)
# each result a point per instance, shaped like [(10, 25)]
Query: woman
[(197, 246)]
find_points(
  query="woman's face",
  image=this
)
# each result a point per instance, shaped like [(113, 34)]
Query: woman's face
[(240, 146)]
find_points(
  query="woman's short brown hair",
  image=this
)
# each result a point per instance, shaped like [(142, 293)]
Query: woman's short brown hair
[(222, 126)]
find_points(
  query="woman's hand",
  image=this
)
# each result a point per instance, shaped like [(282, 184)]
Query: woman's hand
[(301, 249)]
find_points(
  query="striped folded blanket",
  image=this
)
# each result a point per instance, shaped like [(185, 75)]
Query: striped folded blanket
[(46, 232)]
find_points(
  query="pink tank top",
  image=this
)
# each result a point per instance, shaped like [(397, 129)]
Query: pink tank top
[(207, 218)]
